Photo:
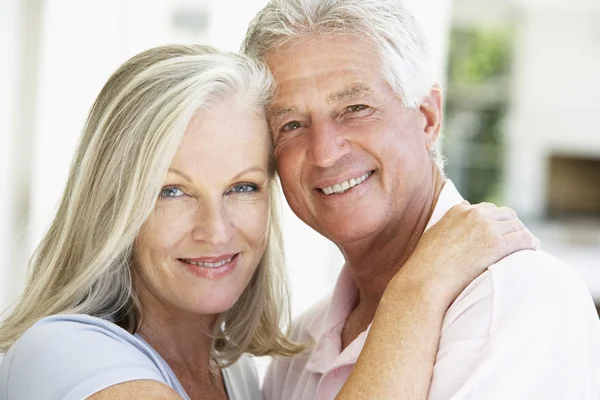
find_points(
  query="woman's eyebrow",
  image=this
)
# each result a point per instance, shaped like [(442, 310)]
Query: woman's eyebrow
[(254, 168), (181, 173)]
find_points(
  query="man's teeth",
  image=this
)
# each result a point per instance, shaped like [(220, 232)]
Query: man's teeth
[(209, 264), (343, 186)]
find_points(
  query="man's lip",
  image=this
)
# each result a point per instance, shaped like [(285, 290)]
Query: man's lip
[(212, 259), (332, 181)]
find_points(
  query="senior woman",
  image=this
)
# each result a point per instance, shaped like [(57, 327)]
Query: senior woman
[(163, 265)]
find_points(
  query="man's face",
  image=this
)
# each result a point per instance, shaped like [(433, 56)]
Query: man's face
[(351, 157)]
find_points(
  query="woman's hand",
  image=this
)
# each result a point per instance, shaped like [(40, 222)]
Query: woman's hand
[(399, 353), (457, 249)]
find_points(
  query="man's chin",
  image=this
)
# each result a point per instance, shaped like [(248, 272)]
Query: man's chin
[(350, 230)]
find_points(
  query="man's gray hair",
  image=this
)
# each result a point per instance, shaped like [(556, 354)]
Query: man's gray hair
[(392, 30), (387, 24)]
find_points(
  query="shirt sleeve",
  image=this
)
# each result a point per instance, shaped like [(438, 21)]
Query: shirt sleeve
[(285, 374), (241, 380), (70, 359), (272, 384), (526, 329)]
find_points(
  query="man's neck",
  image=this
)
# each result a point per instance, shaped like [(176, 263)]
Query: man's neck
[(374, 262)]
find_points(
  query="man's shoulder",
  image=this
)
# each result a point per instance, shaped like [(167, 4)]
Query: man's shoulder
[(532, 275), (529, 323), (538, 275), (527, 288)]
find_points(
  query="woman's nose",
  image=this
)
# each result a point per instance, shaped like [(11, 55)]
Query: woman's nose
[(212, 225)]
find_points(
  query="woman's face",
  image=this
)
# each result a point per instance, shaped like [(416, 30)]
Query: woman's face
[(198, 250)]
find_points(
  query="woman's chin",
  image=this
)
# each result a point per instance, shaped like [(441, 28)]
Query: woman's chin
[(217, 304)]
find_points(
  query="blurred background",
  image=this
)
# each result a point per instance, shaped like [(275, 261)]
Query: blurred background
[(521, 80)]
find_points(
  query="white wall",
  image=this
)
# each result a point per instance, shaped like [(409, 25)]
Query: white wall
[(554, 109), (21, 41), (9, 16), (555, 104)]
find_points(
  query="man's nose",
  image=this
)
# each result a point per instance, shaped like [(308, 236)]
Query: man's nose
[(327, 143), (212, 225)]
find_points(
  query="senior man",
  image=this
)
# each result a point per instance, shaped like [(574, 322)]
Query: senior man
[(355, 120)]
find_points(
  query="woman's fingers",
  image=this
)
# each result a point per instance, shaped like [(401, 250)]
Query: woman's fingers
[(493, 212), (505, 222), (519, 240), (467, 240), (498, 230), (509, 226), (504, 214)]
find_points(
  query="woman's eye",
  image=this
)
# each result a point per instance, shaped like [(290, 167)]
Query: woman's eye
[(291, 126), (244, 188), (170, 192)]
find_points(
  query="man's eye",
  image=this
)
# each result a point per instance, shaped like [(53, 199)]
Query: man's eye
[(357, 107), (291, 126), (170, 192), (244, 188)]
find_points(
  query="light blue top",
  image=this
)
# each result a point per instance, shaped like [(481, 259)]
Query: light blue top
[(71, 357)]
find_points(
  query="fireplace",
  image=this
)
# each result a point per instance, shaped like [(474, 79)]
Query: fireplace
[(573, 189)]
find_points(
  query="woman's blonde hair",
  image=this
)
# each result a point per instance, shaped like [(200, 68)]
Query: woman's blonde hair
[(83, 264)]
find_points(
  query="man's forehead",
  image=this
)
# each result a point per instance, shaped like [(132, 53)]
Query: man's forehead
[(281, 106)]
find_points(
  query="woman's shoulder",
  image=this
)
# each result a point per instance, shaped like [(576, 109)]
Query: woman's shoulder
[(76, 336), (81, 325), (74, 356), (241, 379)]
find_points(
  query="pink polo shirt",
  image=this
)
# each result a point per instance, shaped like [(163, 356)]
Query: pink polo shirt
[(525, 329)]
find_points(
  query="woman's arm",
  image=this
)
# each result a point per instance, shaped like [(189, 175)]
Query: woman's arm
[(399, 354), (142, 389)]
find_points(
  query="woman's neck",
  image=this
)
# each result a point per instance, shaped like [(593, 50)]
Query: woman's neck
[(185, 344)]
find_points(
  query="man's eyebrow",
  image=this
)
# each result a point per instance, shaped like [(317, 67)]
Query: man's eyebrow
[(355, 92), (278, 112)]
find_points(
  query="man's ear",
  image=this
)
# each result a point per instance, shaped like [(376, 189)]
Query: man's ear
[(431, 108)]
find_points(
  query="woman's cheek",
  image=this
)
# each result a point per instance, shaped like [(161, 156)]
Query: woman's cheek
[(169, 223), (252, 218)]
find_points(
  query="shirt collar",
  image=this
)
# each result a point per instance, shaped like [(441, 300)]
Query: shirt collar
[(342, 301), (448, 198)]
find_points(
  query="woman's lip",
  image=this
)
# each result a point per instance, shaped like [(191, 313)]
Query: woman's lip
[(212, 273), (214, 259)]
